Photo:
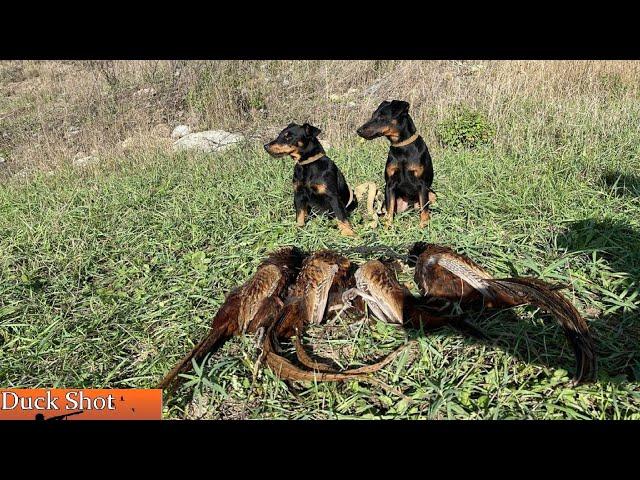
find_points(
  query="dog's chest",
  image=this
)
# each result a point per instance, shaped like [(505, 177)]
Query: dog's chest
[(311, 184), (402, 168)]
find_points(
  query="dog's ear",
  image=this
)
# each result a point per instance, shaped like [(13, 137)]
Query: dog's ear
[(382, 105), (399, 107), (311, 131)]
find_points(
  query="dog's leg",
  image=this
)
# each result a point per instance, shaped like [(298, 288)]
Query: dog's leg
[(390, 204), (360, 189), (345, 228), (423, 198), (341, 215), (301, 216), (301, 210)]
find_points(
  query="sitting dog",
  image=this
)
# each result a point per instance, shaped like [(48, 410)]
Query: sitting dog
[(409, 172), (317, 181)]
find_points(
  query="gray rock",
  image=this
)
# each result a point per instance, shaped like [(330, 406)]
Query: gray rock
[(180, 131), (145, 92), (208, 141), (2, 159)]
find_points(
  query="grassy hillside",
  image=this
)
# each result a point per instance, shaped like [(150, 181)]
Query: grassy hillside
[(110, 273), (51, 111), (109, 276)]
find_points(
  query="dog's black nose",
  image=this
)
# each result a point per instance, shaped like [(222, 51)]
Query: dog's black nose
[(266, 146), (359, 131)]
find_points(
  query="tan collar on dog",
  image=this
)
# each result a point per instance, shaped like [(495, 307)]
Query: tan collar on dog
[(409, 140), (317, 156)]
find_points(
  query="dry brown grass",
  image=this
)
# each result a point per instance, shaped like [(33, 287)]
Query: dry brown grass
[(51, 110)]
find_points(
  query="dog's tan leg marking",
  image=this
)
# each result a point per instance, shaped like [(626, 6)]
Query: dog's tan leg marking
[(301, 216), (345, 229)]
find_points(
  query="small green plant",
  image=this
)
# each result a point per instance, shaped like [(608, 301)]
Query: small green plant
[(464, 128)]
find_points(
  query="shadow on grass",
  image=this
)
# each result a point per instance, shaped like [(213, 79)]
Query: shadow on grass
[(622, 183), (617, 335), (529, 341)]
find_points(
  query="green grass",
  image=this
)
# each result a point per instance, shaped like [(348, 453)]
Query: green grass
[(109, 277)]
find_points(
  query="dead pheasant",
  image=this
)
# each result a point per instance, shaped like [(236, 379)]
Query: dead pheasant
[(323, 276), (446, 276), (246, 309), (323, 279), (392, 302)]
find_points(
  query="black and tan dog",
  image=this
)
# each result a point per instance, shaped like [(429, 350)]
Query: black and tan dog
[(409, 172), (317, 182)]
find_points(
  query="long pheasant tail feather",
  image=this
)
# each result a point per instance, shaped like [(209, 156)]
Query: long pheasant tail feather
[(374, 367), (306, 360), (286, 370), (223, 326), (537, 293), (172, 380), (321, 366), (539, 283)]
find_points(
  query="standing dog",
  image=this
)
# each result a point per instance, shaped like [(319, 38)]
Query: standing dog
[(317, 181), (409, 172)]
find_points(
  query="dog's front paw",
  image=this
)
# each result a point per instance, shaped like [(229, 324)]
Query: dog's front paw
[(425, 217), (346, 230), (301, 216)]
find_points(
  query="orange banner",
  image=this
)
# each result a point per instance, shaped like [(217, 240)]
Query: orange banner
[(80, 404)]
